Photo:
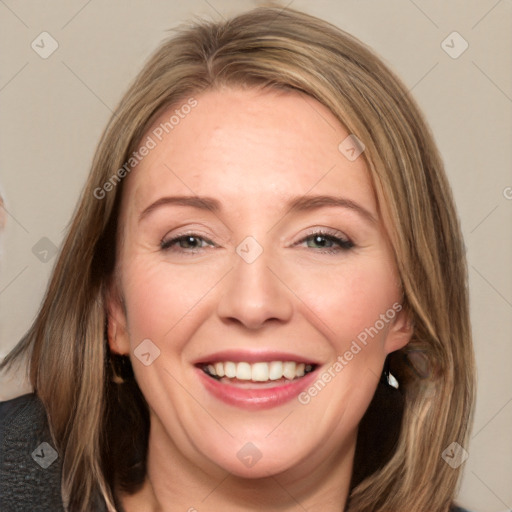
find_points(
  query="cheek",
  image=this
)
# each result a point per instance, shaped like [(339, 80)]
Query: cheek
[(350, 299), (159, 296)]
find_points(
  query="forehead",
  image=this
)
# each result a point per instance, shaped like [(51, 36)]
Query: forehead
[(245, 147)]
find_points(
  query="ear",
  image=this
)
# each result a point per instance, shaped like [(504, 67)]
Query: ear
[(401, 329), (118, 339)]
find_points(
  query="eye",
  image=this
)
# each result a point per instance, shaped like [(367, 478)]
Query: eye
[(190, 242), (327, 242), (324, 241)]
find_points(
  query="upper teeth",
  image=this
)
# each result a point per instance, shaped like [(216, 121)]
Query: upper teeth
[(260, 372)]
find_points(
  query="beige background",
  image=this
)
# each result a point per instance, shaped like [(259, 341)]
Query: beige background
[(55, 109)]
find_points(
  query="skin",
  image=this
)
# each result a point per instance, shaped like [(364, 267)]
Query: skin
[(251, 150)]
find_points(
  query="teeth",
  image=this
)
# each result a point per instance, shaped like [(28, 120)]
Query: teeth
[(289, 370), (219, 369), (258, 372), (229, 369), (275, 370), (243, 371)]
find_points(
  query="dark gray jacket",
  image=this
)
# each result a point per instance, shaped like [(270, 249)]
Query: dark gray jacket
[(30, 468)]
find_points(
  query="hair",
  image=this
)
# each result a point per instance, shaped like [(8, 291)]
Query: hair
[(71, 368)]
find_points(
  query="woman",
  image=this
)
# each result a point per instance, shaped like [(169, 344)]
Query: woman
[(261, 303)]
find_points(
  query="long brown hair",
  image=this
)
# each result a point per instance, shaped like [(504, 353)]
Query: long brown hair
[(71, 368)]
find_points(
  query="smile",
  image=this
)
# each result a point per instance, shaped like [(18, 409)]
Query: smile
[(257, 372), (255, 381)]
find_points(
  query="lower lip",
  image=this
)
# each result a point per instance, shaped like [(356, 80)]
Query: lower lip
[(254, 398)]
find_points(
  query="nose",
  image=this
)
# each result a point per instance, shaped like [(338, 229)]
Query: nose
[(255, 294)]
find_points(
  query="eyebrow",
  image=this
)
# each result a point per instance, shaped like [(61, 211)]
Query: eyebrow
[(293, 205)]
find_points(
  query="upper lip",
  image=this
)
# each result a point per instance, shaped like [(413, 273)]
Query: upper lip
[(253, 356)]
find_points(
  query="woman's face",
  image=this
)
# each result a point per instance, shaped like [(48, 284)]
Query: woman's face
[(253, 248)]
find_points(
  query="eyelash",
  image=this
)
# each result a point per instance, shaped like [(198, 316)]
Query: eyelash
[(344, 244), (166, 245)]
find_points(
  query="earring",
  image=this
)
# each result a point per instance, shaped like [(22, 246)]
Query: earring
[(392, 381), (387, 377)]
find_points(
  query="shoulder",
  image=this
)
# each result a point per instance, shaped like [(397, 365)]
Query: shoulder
[(21, 405), (29, 464)]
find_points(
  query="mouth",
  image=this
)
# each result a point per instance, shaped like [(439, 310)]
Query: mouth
[(256, 381), (246, 375)]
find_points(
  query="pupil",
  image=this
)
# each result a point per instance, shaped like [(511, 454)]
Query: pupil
[(320, 240)]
